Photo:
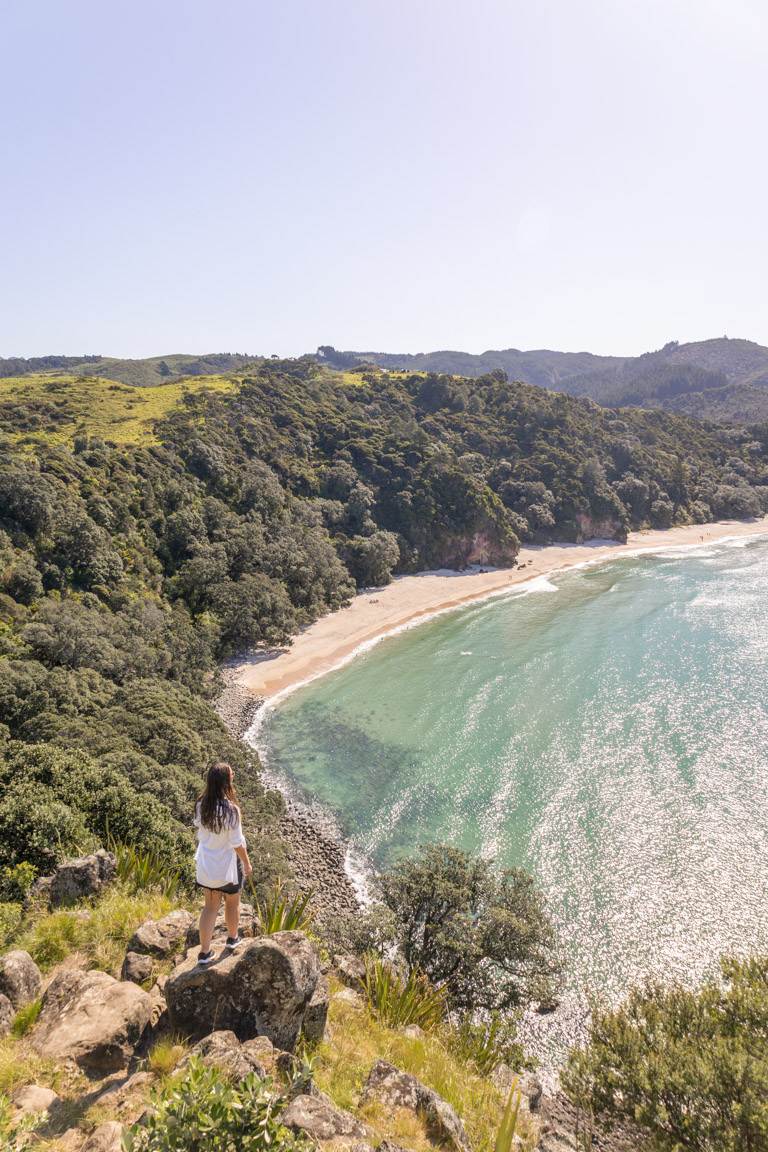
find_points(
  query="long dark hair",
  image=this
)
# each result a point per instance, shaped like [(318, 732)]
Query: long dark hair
[(217, 801)]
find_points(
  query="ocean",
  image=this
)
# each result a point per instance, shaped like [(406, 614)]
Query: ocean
[(606, 728)]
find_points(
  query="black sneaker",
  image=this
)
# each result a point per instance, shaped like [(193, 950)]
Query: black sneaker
[(205, 958), (234, 942)]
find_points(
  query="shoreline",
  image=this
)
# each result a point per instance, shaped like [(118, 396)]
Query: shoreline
[(376, 614)]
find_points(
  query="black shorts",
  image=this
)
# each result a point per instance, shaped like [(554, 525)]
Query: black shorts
[(228, 889)]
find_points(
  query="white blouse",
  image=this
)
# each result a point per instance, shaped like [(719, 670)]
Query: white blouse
[(215, 858)]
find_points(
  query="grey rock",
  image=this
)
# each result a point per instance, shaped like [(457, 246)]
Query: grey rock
[(316, 1012), (526, 1083), (161, 938), (318, 1117), (106, 1138), (223, 1050), (413, 1032), (263, 1052), (396, 1089), (78, 879), (390, 1146), (350, 970), (262, 989), (7, 1014), (20, 978), (348, 996), (33, 1098), (92, 1019), (137, 967)]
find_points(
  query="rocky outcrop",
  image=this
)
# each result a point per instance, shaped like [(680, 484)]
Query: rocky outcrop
[(318, 1118), (7, 1014), (262, 989), (223, 1050), (396, 1089), (20, 978), (92, 1019)]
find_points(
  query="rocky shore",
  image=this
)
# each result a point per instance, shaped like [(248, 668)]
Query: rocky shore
[(315, 849)]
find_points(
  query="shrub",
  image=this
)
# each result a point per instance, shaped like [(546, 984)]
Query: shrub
[(10, 921), (689, 1067), (480, 934), (400, 1001), (202, 1111)]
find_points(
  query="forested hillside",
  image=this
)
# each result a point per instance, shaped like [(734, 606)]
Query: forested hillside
[(131, 563), (711, 379)]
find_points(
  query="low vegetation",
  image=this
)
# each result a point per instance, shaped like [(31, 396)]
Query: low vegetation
[(689, 1067), (203, 1111), (402, 1000)]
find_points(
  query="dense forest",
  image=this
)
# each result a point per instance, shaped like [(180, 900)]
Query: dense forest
[(720, 379), (129, 570)]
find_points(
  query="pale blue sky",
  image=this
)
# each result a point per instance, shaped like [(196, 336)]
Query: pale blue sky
[(402, 175)]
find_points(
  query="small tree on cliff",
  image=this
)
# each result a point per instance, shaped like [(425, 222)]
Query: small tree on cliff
[(479, 933)]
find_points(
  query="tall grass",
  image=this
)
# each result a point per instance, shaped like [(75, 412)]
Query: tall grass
[(26, 1017), (399, 1001), (142, 871), (355, 1040), (505, 1137), (283, 911), (99, 933)]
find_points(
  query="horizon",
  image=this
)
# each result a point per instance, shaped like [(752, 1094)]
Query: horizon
[(383, 351), (408, 176)]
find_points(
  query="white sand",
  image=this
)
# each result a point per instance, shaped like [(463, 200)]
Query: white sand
[(335, 638)]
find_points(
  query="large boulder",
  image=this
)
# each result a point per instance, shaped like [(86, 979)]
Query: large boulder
[(7, 1014), (262, 989), (161, 938), (20, 978), (318, 1118), (350, 969), (92, 1019), (396, 1089), (137, 967), (78, 879)]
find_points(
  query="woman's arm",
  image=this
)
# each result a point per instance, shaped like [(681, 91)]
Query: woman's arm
[(242, 853)]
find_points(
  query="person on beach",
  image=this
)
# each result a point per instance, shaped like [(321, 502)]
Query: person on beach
[(221, 859)]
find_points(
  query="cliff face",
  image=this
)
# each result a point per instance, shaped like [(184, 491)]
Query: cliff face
[(483, 547), (591, 528)]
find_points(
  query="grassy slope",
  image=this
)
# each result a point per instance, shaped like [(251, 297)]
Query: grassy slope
[(95, 935), (63, 406)]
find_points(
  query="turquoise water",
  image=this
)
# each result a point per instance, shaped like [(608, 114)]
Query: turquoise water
[(607, 730)]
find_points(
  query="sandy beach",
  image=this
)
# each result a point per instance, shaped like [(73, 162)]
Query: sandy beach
[(373, 614)]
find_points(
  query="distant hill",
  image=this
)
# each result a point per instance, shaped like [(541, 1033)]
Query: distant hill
[(150, 371), (718, 379)]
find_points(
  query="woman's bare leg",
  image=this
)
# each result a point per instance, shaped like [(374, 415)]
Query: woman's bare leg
[(208, 918), (232, 914)]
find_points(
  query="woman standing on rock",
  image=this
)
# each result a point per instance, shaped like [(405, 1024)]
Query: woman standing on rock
[(221, 859)]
